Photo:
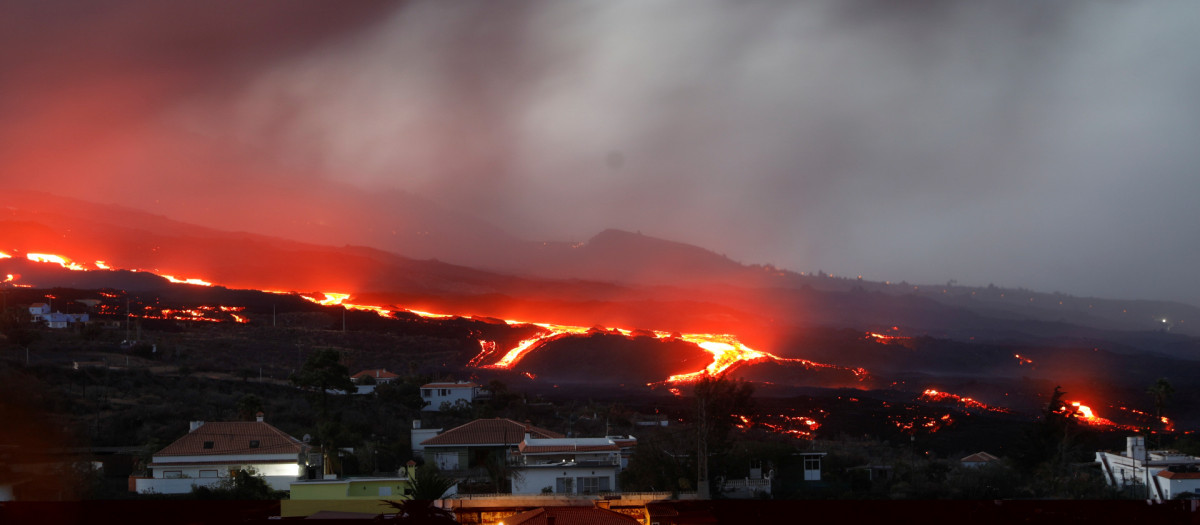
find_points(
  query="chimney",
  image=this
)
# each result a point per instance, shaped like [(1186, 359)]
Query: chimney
[(259, 416), (416, 424), (194, 425)]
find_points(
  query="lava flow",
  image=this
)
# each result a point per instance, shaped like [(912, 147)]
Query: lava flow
[(726, 349), (934, 396)]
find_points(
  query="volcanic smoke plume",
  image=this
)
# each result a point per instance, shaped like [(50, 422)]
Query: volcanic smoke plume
[(1035, 144)]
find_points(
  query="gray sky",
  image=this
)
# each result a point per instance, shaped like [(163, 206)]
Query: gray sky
[(1044, 144)]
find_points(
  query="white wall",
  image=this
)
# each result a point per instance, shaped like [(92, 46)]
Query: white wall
[(278, 475), (532, 479), (435, 396)]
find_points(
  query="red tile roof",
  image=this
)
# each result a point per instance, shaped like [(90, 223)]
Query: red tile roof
[(233, 437), (377, 373), (979, 457), (489, 432), (1178, 475), (571, 516)]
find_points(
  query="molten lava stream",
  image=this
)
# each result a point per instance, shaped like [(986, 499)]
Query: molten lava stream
[(727, 351)]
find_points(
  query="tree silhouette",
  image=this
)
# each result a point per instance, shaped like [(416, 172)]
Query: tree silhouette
[(1162, 391), (323, 371), (428, 484)]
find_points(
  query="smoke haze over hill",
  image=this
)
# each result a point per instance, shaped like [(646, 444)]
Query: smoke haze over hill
[(1045, 145)]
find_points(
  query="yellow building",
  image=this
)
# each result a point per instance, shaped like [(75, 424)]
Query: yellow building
[(365, 495)]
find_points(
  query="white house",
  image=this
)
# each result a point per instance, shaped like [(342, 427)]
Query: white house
[(1175, 482), (37, 310), (378, 375), (1155, 471), (569, 465), (469, 446), (436, 394), (210, 452)]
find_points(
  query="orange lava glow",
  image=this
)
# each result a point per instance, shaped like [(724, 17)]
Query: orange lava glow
[(197, 282), (799, 427), (885, 338), (1023, 360), (56, 259), (208, 314), (727, 351), (339, 299), (921, 423), (1085, 414), (934, 396), (5, 256)]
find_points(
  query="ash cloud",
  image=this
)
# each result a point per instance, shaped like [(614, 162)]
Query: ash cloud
[(1040, 144)]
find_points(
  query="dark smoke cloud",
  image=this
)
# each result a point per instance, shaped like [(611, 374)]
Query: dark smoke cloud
[(1041, 144)]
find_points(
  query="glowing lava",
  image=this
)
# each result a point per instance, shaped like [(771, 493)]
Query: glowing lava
[(197, 282), (799, 427), (1085, 414), (726, 349), (934, 396), (56, 259)]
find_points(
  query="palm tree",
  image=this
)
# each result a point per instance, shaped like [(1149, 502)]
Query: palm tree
[(1162, 391), (427, 484)]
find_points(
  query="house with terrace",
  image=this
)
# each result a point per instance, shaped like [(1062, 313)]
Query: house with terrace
[(570, 465), (470, 446)]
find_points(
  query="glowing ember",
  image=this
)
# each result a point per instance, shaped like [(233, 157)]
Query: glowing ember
[(921, 423), (531, 375), (100, 265), (5, 256), (1023, 360)]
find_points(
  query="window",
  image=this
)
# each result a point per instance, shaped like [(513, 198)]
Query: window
[(385, 491), (426, 392), (812, 464), (173, 474), (208, 444), (208, 473), (443, 392), (253, 443), (564, 485), (589, 485), (593, 485)]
